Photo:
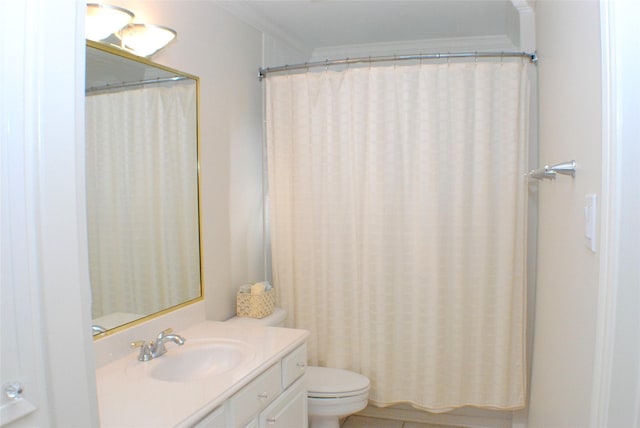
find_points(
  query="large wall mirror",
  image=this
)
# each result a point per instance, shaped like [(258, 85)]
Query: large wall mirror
[(142, 188)]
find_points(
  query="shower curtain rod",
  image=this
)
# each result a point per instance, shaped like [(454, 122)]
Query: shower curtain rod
[(428, 56), (108, 87)]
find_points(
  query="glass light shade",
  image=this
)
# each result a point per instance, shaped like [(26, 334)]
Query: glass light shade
[(145, 39), (103, 20)]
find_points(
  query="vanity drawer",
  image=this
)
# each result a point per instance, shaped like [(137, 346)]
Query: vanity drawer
[(294, 365), (255, 396)]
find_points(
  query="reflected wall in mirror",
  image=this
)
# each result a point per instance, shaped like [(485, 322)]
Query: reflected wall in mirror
[(142, 187)]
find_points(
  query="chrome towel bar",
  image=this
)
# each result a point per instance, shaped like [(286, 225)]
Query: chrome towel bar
[(549, 172)]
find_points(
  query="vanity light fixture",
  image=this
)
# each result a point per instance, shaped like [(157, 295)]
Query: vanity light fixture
[(145, 39), (105, 23), (103, 20)]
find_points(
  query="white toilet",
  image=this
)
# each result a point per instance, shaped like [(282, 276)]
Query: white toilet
[(331, 393)]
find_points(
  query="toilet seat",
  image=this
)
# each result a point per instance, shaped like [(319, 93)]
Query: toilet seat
[(324, 382)]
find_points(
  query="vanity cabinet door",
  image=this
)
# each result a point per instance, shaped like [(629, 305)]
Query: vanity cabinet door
[(294, 365), (215, 419), (288, 410)]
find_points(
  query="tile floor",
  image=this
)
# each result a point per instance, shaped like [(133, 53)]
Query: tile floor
[(356, 421)]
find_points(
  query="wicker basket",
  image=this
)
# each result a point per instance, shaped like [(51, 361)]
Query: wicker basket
[(255, 305)]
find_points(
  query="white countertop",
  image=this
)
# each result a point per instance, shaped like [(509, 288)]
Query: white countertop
[(139, 401)]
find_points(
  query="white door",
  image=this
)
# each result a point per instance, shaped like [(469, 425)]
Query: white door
[(46, 337)]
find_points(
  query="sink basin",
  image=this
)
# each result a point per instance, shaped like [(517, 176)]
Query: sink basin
[(196, 360)]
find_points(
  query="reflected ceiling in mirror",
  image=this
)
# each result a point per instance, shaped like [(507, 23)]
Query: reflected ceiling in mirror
[(142, 188)]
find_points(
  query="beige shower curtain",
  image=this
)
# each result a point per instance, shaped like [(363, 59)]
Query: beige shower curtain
[(398, 226), (142, 200)]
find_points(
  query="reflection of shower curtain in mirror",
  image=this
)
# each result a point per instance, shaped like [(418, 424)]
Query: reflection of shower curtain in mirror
[(398, 226), (142, 199)]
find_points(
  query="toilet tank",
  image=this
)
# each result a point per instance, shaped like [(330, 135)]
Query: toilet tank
[(276, 319)]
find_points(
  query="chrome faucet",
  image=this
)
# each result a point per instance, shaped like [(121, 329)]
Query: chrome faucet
[(150, 350), (163, 337)]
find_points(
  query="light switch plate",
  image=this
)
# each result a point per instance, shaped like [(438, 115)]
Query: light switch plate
[(590, 210)]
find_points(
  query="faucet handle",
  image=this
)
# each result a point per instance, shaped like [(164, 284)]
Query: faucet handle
[(145, 354)]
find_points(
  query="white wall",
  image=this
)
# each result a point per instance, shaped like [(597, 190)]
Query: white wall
[(226, 54), (568, 44)]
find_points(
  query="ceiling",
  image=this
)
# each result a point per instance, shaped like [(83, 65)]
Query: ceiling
[(316, 24)]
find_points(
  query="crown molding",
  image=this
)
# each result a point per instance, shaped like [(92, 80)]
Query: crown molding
[(457, 44), (527, 24), (249, 16)]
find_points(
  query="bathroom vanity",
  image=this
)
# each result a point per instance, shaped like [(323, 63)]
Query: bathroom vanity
[(225, 375)]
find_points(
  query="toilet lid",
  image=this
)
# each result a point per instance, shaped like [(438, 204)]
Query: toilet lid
[(324, 382)]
